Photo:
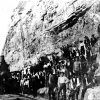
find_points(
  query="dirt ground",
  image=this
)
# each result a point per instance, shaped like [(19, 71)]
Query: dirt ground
[(20, 97)]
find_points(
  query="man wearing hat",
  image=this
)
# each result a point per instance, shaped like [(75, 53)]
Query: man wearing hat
[(62, 81)]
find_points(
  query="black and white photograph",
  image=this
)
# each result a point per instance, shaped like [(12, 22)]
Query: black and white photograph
[(50, 50)]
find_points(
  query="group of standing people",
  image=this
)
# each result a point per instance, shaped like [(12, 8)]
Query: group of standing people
[(32, 82), (79, 64), (75, 68), (29, 84)]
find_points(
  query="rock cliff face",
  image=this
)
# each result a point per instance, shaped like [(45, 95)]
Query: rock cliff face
[(40, 27)]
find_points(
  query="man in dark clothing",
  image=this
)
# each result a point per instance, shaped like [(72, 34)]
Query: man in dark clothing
[(76, 66), (82, 50), (93, 40), (34, 85), (52, 84), (87, 42)]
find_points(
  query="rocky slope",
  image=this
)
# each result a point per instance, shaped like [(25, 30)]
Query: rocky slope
[(92, 93), (40, 27)]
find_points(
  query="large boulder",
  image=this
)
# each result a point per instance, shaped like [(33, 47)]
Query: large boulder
[(41, 27), (92, 93)]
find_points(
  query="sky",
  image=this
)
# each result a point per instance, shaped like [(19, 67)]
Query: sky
[(6, 10)]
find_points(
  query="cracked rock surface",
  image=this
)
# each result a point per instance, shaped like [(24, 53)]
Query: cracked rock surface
[(40, 27)]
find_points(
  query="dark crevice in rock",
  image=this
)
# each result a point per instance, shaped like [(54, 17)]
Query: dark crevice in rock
[(69, 22)]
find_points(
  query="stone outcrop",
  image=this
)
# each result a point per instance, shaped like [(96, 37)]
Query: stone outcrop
[(92, 94), (41, 27)]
